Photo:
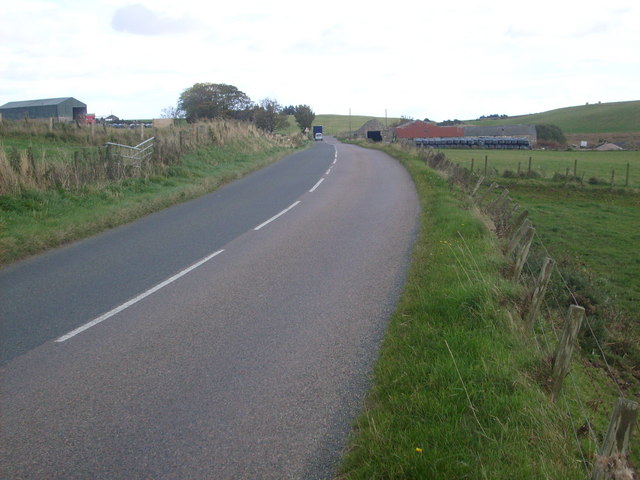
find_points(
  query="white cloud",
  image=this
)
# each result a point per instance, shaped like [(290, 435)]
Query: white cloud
[(141, 20), (454, 60)]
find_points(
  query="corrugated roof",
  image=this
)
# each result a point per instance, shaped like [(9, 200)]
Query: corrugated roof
[(37, 103)]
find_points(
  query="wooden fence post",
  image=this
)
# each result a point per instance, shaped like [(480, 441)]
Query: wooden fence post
[(517, 235), (514, 208), (486, 194), (626, 182), (539, 290), (616, 442), (472, 162), (522, 255), (529, 170), (518, 221), (498, 201), (575, 169), (613, 178), (564, 350), (478, 185), (486, 163)]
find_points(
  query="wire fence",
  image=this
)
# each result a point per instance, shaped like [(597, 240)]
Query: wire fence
[(603, 451), (562, 171)]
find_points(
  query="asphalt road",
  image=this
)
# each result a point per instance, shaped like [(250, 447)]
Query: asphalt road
[(245, 347)]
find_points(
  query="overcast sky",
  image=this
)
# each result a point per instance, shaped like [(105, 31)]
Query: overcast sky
[(441, 60)]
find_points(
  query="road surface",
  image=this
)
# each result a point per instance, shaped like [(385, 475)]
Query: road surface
[(231, 337)]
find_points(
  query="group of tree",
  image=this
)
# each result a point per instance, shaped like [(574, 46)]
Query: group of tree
[(449, 123), (205, 101), (493, 116)]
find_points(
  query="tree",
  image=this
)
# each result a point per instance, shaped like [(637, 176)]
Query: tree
[(290, 110), (171, 112), (268, 116), (304, 116), (551, 134), (213, 100)]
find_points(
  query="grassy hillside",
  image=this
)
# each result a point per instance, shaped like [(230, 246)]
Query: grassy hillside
[(597, 118), (334, 124), (338, 124)]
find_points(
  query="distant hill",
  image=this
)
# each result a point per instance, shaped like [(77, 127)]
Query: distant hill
[(617, 121), (597, 118), (334, 124)]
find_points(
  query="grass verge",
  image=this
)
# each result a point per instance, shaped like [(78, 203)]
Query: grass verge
[(33, 220), (455, 392)]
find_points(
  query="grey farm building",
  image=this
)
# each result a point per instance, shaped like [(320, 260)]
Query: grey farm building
[(65, 109)]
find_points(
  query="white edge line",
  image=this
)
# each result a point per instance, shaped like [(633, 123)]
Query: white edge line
[(316, 185), (335, 160), (328, 172), (276, 216), (135, 300)]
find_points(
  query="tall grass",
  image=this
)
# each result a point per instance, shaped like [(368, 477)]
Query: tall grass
[(71, 158)]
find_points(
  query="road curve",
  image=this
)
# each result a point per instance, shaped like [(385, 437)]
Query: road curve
[(251, 365)]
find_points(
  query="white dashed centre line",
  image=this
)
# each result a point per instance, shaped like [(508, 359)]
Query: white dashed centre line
[(316, 185), (135, 300), (276, 216)]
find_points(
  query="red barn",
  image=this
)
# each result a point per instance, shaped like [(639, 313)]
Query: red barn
[(420, 129)]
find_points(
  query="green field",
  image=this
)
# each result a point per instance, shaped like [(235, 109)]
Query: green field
[(596, 118), (595, 234), (339, 124), (547, 163), (593, 229)]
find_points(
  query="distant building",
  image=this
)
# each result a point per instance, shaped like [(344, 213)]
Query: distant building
[(65, 109), (420, 129), (375, 130)]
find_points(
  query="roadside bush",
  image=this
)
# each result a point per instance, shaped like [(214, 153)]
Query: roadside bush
[(512, 174), (550, 135), (562, 177)]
